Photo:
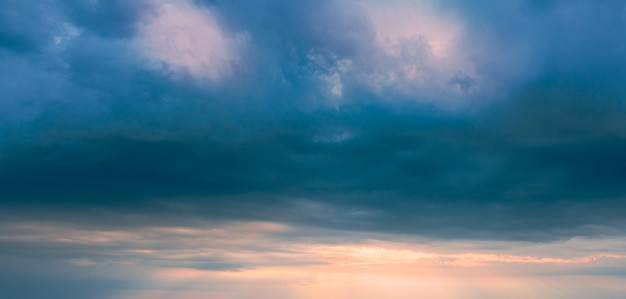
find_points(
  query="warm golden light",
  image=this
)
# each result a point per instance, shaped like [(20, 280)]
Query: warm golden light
[(230, 259)]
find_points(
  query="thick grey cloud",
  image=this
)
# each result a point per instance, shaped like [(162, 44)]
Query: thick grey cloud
[(302, 129), (126, 127), (26, 27), (109, 19)]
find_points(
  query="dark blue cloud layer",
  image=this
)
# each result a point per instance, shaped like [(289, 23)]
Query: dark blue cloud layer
[(84, 123)]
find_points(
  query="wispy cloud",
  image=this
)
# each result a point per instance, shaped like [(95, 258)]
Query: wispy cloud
[(235, 258)]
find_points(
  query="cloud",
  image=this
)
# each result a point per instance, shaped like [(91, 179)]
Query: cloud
[(232, 259), (420, 54), (108, 19), (403, 173), (27, 28), (187, 149), (298, 113), (187, 38)]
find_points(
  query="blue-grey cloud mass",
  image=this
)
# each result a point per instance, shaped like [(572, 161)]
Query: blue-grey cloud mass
[(489, 120)]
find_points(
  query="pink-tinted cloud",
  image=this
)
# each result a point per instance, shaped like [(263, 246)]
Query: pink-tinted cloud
[(188, 39), (241, 259)]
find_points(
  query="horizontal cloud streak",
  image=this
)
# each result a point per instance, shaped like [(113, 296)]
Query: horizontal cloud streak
[(236, 253)]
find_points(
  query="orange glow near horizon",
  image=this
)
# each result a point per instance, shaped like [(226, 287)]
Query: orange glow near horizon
[(382, 281), (241, 260)]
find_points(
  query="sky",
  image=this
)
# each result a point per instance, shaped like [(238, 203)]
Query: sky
[(282, 149)]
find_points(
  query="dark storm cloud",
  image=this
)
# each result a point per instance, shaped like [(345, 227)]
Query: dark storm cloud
[(299, 27), (86, 123), (113, 159), (404, 174), (110, 19), (26, 27), (523, 41)]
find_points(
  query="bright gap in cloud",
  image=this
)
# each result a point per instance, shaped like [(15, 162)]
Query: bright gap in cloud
[(423, 56), (188, 40), (396, 21)]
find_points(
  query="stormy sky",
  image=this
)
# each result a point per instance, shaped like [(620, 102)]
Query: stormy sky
[(308, 149)]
